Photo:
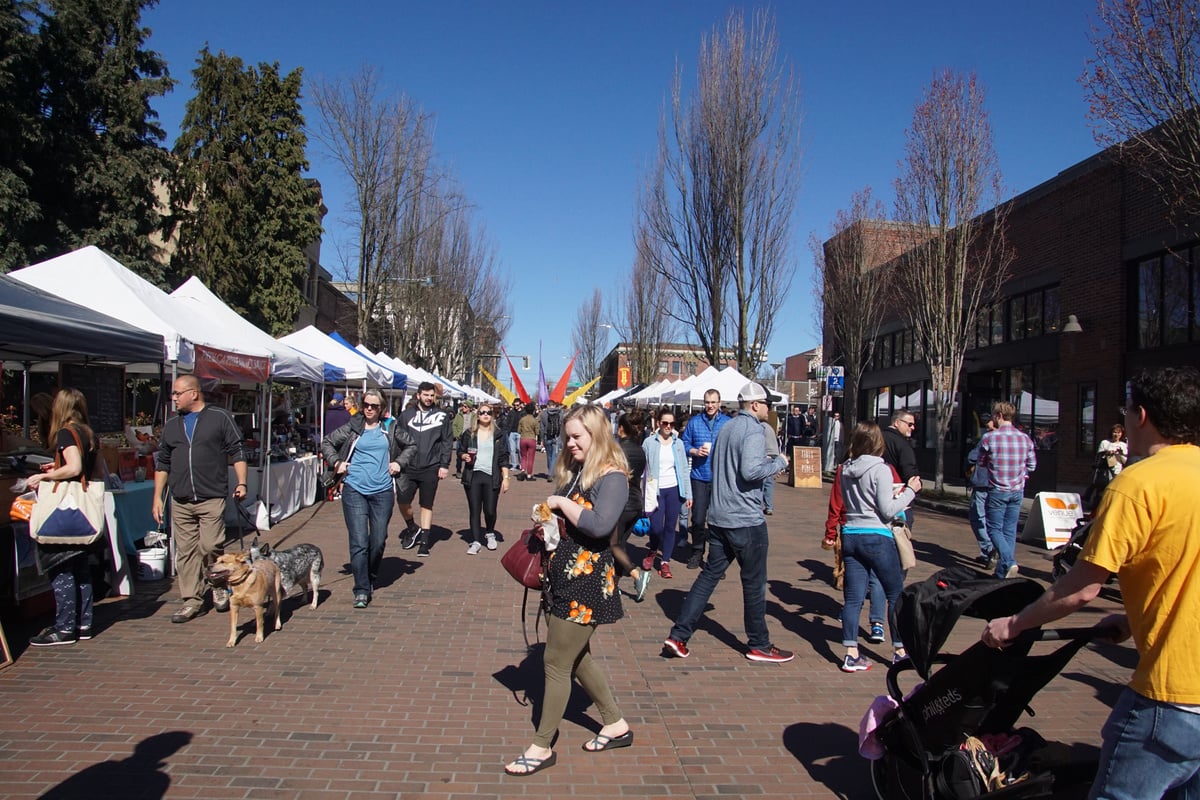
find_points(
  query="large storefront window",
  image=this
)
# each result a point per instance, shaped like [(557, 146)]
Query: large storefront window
[(1167, 299), (1033, 390)]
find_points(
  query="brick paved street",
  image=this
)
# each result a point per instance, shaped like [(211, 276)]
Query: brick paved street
[(430, 690)]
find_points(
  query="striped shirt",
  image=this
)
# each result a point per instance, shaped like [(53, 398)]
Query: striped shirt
[(1008, 456)]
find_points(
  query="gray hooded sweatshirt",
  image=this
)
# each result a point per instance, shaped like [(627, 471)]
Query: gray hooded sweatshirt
[(867, 495)]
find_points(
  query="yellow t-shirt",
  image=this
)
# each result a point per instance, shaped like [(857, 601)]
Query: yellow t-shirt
[(1147, 530)]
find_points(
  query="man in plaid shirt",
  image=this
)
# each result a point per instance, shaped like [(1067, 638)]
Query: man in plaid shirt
[(1008, 456)]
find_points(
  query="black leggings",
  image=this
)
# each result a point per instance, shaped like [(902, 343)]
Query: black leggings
[(481, 496)]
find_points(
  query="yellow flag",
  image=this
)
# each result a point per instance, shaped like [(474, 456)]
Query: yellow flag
[(501, 389), (570, 399)]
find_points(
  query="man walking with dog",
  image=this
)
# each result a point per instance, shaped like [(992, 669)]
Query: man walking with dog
[(430, 428), (1147, 530), (193, 459)]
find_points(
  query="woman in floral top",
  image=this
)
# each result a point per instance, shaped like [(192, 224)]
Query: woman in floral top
[(592, 487)]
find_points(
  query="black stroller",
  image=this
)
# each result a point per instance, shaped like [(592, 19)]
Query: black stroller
[(980, 693)]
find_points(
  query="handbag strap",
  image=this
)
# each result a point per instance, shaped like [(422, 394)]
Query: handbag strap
[(83, 478)]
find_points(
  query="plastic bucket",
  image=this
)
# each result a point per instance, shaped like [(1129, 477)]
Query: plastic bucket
[(152, 564)]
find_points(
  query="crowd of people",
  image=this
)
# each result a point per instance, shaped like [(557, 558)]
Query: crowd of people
[(614, 474)]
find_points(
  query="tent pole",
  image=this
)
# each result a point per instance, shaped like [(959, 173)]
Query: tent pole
[(264, 486), (25, 404)]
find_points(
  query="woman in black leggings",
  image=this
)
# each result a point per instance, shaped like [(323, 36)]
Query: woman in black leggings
[(631, 430), (484, 475)]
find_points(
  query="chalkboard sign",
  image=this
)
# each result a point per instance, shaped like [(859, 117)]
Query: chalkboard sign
[(104, 390)]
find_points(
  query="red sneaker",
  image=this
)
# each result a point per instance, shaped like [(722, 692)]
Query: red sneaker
[(677, 648), (665, 571)]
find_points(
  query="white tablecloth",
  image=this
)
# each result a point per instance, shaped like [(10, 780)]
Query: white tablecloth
[(293, 486)]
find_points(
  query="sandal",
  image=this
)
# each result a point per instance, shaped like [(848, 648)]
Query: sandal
[(532, 765), (602, 742)]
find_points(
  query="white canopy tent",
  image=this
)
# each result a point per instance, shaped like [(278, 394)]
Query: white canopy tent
[(313, 342), (650, 394), (691, 391), (96, 280), (608, 397), (287, 361)]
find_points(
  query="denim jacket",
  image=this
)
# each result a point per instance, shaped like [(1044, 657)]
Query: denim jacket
[(652, 448)]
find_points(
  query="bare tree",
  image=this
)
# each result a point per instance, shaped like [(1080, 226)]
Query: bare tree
[(384, 145), (851, 289), (721, 196), (588, 337), (949, 172), (1143, 88), (430, 289), (645, 322)]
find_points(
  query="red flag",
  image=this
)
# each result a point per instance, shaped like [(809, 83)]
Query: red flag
[(524, 395), (560, 388)]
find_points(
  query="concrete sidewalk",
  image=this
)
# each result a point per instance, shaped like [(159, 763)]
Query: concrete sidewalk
[(430, 690)]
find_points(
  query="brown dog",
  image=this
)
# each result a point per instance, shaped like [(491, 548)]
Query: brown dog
[(250, 584)]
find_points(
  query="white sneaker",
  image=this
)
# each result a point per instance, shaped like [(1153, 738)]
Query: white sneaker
[(474, 548), (491, 541)]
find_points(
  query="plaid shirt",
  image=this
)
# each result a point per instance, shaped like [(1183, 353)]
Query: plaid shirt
[(1009, 458)]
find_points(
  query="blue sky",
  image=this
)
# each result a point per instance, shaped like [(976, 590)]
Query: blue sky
[(548, 111)]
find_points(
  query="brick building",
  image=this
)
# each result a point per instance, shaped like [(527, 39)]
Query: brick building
[(1096, 243)]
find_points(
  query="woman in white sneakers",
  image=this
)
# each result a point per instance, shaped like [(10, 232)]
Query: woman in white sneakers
[(484, 452)]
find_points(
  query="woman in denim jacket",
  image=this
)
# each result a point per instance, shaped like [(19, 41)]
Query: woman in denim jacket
[(667, 465)]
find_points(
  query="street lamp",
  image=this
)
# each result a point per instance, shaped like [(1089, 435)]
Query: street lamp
[(775, 366)]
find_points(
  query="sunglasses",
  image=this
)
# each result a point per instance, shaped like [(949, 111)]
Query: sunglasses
[(371, 405), (485, 412), (666, 423)]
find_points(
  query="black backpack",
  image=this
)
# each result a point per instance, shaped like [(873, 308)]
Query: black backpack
[(553, 424)]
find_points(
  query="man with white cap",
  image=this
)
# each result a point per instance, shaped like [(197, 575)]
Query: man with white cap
[(738, 529)]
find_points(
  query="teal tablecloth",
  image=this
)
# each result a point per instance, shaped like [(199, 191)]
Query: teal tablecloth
[(133, 513)]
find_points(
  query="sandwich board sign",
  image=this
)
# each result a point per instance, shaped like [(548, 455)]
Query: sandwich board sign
[(1052, 518)]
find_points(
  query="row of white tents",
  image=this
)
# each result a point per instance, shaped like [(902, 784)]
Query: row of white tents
[(195, 324), (688, 392)]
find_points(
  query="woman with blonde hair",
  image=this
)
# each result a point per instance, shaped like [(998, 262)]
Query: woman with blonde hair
[(484, 452), (868, 545), (75, 450), (591, 487)]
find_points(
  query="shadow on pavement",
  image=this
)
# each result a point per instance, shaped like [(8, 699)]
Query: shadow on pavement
[(141, 775), (830, 754)]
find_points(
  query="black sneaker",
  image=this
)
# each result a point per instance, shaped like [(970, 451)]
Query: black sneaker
[(50, 637), (694, 562), (423, 550), (408, 537), (361, 600), (85, 633)]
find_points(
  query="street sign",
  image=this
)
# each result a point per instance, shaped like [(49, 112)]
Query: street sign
[(837, 379)]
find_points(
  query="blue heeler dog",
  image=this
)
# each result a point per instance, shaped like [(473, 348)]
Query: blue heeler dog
[(298, 566)]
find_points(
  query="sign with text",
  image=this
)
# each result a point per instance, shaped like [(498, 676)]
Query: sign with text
[(837, 379), (1052, 518), (624, 377), (806, 467)]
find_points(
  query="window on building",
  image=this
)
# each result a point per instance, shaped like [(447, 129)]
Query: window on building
[(1167, 299), (676, 367), (885, 350), (1044, 415), (1087, 419), (1033, 314), (662, 367), (1016, 318), (1051, 312)]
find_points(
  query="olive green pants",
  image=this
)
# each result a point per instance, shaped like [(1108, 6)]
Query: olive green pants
[(568, 653)]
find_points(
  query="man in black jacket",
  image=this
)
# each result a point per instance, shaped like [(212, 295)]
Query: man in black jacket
[(898, 449), (193, 464), (430, 428)]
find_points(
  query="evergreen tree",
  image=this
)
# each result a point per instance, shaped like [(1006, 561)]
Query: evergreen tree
[(243, 210), (80, 157), (20, 132)]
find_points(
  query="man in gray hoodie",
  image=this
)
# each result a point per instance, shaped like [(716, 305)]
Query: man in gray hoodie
[(738, 529)]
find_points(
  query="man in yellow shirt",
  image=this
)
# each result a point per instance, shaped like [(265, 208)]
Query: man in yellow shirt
[(1147, 530)]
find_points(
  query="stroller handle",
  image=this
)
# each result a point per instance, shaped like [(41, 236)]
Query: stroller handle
[(1076, 634)]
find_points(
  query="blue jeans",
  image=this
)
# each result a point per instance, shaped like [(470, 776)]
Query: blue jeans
[(698, 517), (551, 455), (1003, 509), (747, 546), (1151, 749), (514, 451), (864, 554), (977, 515), (769, 494), (367, 517), (664, 521), (876, 599)]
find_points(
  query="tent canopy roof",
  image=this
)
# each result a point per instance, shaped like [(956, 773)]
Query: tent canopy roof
[(38, 326)]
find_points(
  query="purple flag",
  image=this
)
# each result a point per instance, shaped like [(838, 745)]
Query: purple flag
[(543, 395)]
